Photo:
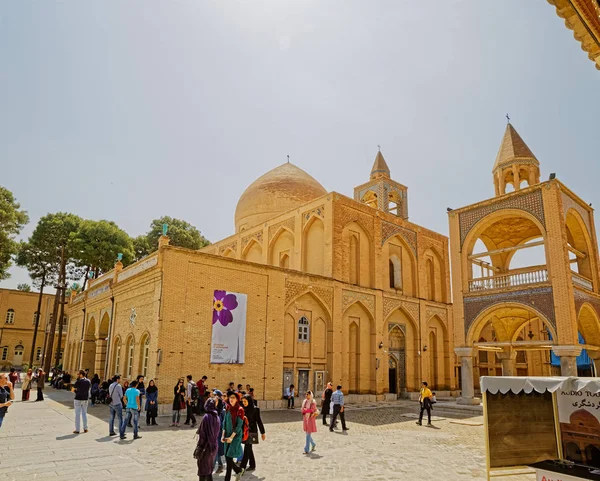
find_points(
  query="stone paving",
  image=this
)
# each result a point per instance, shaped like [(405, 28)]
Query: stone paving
[(383, 443)]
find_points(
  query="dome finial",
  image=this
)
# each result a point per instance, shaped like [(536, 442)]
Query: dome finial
[(288, 157), (507, 119)]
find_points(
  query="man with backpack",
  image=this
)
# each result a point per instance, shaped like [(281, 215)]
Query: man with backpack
[(190, 402)]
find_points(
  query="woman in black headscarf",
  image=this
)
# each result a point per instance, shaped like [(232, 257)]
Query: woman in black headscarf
[(254, 424), (208, 434), (151, 403)]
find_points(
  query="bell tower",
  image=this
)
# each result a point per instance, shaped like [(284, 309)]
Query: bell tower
[(515, 163), (381, 192)]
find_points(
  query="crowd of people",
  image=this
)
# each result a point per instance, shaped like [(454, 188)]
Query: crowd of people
[(230, 424)]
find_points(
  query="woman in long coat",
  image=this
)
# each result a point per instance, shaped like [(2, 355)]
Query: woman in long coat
[(178, 402), (254, 424), (208, 438), (151, 403), (233, 427)]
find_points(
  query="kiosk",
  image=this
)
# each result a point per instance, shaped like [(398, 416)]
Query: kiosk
[(548, 426)]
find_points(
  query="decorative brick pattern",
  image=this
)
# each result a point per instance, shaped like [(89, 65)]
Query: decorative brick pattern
[(293, 290), (350, 297), (258, 236), (348, 214), (390, 304), (530, 202), (392, 325), (540, 299), (569, 203), (289, 224), (317, 211), (582, 297), (432, 311), (388, 230), (229, 245)]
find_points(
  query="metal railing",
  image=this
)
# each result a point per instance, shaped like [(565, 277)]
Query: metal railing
[(521, 277), (581, 281)]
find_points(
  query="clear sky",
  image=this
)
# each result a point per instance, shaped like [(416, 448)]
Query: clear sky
[(131, 110)]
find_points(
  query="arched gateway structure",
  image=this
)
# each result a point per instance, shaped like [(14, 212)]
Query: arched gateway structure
[(525, 274)]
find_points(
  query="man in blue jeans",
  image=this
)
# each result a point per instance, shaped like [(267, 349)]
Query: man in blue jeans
[(81, 388), (132, 399), (115, 393)]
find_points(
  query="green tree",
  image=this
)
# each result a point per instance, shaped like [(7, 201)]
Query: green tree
[(96, 245), (12, 220), (181, 234), (53, 236), (41, 266), (141, 247), (24, 287)]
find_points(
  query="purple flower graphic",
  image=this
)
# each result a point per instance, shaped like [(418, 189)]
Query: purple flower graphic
[(223, 304)]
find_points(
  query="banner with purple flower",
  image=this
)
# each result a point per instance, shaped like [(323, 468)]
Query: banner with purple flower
[(228, 328)]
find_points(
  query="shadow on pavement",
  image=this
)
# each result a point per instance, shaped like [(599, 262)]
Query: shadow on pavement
[(66, 436)]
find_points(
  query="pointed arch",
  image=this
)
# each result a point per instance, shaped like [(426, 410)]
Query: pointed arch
[(253, 252), (229, 253), (436, 275), (490, 313), (281, 248), (359, 349), (313, 246), (396, 251), (578, 237), (358, 249), (439, 353), (88, 355), (400, 319), (144, 360), (588, 324), (117, 363), (129, 356)]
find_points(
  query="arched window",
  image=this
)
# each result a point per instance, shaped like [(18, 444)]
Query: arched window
[(130, 347), (10, 316), (118, 356), (38, 354), (430, 279), (4, 353), (284, 261), (303, 330), (145, 355), (354, 258), (65, 320), (35, 314), (395, 267)]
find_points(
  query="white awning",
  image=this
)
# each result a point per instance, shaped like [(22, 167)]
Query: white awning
[(503, 384)]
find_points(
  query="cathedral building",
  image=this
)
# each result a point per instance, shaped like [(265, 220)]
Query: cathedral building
[(525, 276), (315, 287)]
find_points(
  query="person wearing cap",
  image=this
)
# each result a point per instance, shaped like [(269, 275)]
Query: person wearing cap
[(115, 393)]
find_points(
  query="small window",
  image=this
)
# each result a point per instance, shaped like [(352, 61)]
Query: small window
[(34, 318), (38, 354), (303, 330), (10, 316), (65, 320), (146, 355), (5, 353)]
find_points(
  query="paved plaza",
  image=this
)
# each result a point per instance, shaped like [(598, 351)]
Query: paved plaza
[(382, 444)]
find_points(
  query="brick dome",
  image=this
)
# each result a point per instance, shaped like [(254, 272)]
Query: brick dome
[(280, 190)]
